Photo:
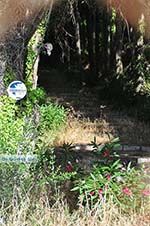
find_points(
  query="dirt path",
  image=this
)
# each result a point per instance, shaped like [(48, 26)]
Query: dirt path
[(89, 116)]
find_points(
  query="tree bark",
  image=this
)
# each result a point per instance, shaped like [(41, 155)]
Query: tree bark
[(77, 34), (13, 47), (2, 68)]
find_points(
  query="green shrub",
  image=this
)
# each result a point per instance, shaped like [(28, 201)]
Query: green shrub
[(111, 180), (22, 124), (11, 127), (31, 116), (52, 117), (34, 98)]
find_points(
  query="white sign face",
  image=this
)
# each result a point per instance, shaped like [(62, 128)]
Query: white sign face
[(17, 90)]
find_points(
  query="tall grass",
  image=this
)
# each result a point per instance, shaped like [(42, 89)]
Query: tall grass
[(42, 214)]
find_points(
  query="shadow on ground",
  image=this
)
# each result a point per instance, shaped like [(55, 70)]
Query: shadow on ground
[(90, 116)]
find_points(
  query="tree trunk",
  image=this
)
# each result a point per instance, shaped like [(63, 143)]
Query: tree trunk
[(2, 68), (13, 47), (105, 41), (91, 42), (97, 42), (77, 34)]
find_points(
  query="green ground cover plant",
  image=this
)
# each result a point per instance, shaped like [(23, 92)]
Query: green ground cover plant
[(22, 126), (19, 118)]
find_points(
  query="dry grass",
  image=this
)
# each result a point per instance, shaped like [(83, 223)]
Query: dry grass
[(83, 132), (58, 214), (104, 119)]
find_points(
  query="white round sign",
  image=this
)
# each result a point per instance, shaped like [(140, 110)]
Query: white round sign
[(17, 90)]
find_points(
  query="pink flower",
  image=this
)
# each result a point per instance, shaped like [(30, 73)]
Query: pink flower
[(100, 193), (69, 167), (108, 177), (127, 191), (92, 193), (106, 153), (146, 192)]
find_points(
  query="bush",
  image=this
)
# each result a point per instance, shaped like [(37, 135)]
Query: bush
[(11, 127), (52, 117), (111, 180), (22, 124), (34, 98), (28, 117)]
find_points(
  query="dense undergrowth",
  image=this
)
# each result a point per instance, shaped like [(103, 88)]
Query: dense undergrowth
[(109, 183), (42, 213), (23, 126), (30, 117)]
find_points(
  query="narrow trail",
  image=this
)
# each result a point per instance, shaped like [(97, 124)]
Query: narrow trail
[(90, 117), (92, 113)]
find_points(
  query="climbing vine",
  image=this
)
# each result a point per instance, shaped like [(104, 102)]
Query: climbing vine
[(33, 50)]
